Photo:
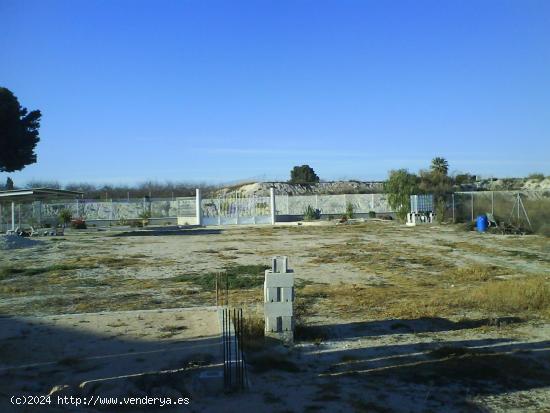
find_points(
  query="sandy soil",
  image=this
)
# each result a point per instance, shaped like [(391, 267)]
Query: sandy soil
[(108, 304)]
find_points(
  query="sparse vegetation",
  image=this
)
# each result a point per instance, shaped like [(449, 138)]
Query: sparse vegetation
[(65, 216), (530, 294), (311, 214), (238, 276), (536, 176), (349, 210), (264, 362)]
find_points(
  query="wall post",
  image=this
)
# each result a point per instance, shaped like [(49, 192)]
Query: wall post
[(272, 202), (13, 216), (198, 211)]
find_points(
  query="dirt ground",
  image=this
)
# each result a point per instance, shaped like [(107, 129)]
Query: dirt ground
[(389, 318)]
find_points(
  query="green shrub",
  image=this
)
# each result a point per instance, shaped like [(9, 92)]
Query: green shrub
[(349, 210), (78, 224), (536, 176), (440, 209), (145, 215), (372, 214), (311, 214), (65, 216)]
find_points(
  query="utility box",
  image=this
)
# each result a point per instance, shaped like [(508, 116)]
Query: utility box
[(422, 210), (279, 300)]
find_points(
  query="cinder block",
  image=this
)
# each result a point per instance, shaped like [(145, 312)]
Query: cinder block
[(279, 300)]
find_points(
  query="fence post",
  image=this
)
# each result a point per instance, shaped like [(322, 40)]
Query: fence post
[(272, 202), (472, 202), (453, 208), (492, 203), (12, 216), (198, 211)]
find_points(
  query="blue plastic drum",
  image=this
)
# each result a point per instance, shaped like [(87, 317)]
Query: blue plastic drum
[(482, 223)]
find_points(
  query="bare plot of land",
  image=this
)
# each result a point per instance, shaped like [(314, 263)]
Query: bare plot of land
[(390, 318)]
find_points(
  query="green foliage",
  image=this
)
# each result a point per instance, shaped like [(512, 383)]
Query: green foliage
[(510, 184), (372, 214), (311, 213), (466, 178), (303, 175), (440, 208), (400, 185), (536, 177), (238, 277), (9, 184), (435, 183), (65, 216), (439, 166), (18, 133), (144, 214), (349, 210)]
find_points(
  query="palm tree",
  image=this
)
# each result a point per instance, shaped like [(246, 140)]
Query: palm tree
[(440, 165)]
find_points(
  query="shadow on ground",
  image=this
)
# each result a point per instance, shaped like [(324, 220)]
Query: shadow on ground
[(425, 375), (36, 356), (398, 326), (168, 231)]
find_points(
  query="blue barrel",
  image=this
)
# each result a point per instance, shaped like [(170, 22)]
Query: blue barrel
[(482, 223)]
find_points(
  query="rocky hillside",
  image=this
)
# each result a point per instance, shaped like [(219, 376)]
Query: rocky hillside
[(336, 187), (365, 187), (509, 184)]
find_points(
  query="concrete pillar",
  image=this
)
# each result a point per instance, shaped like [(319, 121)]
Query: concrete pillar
[(273, 206), (279, 300), (198, 211)]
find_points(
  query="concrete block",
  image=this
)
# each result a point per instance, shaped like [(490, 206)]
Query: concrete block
[(278, 309)]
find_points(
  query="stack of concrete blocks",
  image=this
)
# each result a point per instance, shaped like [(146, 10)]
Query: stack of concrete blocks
[(279, 300)]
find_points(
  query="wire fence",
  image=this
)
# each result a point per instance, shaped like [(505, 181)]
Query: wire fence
[(458, 207), (525, 208)]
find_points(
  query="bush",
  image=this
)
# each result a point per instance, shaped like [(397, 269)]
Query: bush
[(311, 214), (349, 210), (303, 175), (440, 208), (372, 214), (78, 224), (144, 215), (65, 216), (135, 223), (400, 186), (536, 176)]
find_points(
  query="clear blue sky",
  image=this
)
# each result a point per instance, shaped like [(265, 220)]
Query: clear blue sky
[(221, 91)]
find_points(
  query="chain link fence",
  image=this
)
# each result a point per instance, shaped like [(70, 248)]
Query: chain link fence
[(524, 208)]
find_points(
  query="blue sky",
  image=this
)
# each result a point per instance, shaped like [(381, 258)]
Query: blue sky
[(231, 90)]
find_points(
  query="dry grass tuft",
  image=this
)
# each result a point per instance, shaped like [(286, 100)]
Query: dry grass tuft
[(476, 272), (513, 296), (253, 332)]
